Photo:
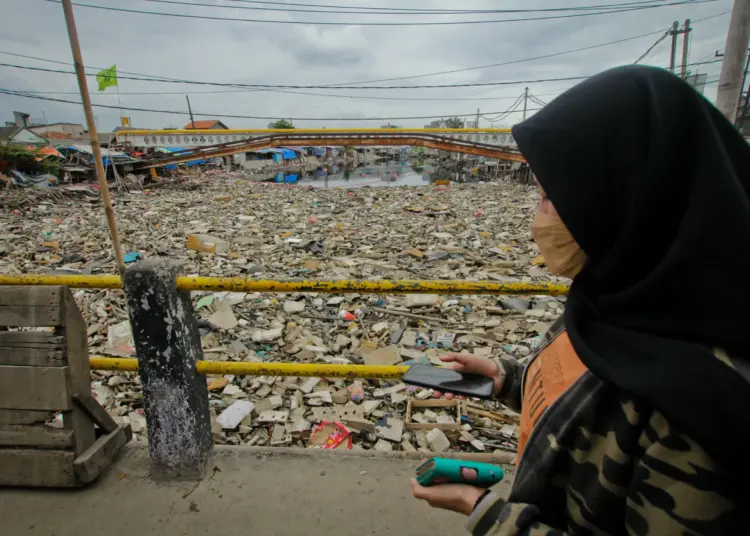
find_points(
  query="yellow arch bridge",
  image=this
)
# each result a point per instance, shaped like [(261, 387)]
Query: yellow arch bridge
[(202, 144)]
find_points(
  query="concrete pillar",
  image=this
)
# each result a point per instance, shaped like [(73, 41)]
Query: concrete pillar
[(168, 345)]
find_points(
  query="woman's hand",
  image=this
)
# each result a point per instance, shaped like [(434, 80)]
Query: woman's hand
[(459, 498), (475, 365)]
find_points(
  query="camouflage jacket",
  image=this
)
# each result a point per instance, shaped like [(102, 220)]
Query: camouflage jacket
[(601, 463)]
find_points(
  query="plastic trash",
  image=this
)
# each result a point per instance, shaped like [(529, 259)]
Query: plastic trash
[(132, 257)]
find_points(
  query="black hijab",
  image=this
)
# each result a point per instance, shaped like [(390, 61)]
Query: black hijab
[(653, 183)]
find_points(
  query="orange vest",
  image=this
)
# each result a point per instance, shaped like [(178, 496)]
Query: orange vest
[(549, 374)]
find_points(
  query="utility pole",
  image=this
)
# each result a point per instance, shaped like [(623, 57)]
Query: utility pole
[(685, 44), (741, 118), (738, 36), (190, 110), (525, 100), (673, 33), (477, 124), (75, 47)]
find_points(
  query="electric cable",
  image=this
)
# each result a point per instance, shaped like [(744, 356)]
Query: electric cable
[(350, 23)]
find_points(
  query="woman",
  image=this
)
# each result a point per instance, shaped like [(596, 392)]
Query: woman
[(637, 408)]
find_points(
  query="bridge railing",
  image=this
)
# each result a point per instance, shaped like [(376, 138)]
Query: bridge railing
[(170, 356)]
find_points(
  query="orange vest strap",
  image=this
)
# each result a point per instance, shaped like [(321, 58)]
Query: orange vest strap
[(548, 376)]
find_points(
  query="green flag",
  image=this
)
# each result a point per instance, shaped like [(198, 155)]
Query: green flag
[(107, 77)]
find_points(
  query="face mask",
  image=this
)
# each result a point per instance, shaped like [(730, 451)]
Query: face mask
[(561, 252)]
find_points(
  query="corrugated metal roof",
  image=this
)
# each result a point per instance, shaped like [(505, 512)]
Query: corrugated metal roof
[(85, 148)]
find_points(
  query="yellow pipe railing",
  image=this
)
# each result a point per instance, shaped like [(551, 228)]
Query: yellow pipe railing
[(345, 286), (382, 372)]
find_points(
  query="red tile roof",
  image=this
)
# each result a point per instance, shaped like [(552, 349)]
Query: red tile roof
[(205, 124), (60, 135)]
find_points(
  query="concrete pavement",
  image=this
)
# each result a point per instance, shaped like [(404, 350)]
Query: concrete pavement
[(249, 492)]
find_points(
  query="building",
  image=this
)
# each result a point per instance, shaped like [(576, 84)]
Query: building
[(19, 131), (20, 136), (61, 139), (72, 129), (206, 124)]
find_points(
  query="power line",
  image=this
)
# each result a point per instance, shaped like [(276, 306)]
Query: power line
[(424, 75), (506, 113), (273, 86), (432, 10), (537, 100), (232, 116), (336, 23), (511, 62), (703, 62), (182, 93), (523, 60), (278, 87), (402, 11), (652, 47), (392, 79)]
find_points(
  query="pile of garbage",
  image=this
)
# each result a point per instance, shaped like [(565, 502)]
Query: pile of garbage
[(221, 225)]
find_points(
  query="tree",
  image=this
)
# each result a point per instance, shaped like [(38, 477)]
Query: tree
[(454, 122), (282, 123), (25, 161)]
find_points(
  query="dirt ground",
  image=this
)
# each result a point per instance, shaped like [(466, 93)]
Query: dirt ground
[(247, 492)]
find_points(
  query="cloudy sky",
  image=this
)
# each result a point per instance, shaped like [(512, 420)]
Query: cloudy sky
[(301, 54)]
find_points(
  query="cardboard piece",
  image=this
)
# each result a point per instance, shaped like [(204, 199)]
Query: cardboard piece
[(330, 435), (383, 356)]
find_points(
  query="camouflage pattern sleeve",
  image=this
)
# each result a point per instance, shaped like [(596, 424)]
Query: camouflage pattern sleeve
[(674, 489), (601, 463), (494, 516), (511, 391)]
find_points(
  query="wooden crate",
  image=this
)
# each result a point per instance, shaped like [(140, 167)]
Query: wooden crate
[(43, 372), (430, 403)]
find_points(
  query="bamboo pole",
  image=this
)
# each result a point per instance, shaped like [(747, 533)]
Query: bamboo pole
[(75, 47)]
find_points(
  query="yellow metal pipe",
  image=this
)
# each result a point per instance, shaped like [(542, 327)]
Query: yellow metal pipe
[(72, 281), (266, 369), (113, 363), (345, 286)]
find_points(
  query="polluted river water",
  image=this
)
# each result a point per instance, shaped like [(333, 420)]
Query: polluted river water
[(375, 175)]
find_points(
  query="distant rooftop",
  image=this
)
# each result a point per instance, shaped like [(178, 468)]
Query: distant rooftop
[(205, 125)]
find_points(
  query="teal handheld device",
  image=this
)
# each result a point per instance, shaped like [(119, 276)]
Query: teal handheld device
[(443, 471)]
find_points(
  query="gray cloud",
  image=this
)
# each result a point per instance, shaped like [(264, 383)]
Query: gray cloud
[(291, 54)]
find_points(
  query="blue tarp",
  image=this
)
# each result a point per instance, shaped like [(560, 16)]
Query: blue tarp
[(287, 154), (183, 151), (188, 164), (36, 181), (282, 177)]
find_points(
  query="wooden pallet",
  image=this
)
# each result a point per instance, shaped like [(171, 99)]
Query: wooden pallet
[(42, 373)]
